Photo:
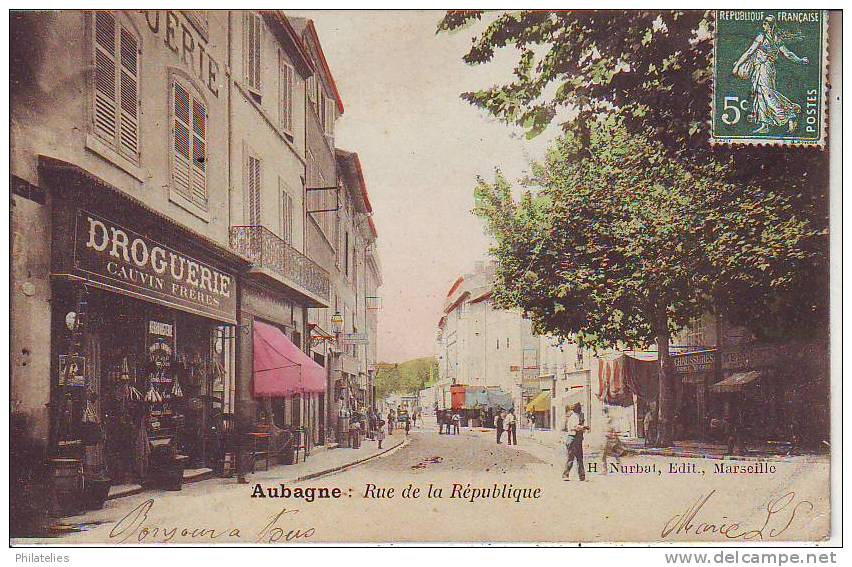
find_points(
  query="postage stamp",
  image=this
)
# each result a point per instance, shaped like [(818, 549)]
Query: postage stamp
[(769, 77)]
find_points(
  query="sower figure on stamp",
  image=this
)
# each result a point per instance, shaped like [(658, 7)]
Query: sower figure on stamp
[(758, 65), (575, 426)]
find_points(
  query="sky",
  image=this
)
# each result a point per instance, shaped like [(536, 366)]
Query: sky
[(421, 148)]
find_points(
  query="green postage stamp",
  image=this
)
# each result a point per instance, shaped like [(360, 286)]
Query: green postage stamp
[(769, 77)]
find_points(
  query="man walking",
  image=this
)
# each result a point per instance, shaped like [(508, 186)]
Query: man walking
[(511, 428), (456, 422), (575, 426), (498, 423), (612, 444)]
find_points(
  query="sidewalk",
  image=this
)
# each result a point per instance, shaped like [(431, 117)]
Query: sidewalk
[(683, 449), (320, 462)]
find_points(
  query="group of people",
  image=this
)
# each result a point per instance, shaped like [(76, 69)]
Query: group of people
[(401, 418), (449, 420), (505, 421)]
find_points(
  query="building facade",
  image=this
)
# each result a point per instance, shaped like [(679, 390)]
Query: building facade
[(164, 228)]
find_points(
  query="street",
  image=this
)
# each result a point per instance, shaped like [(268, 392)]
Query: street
[(467, 488)]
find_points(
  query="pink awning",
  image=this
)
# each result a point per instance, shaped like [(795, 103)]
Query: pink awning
[(280, 368)]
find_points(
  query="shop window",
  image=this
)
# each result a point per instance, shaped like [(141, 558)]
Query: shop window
[(189, 155), (253, 189), (115, 112), (285, 93), (253, 33)]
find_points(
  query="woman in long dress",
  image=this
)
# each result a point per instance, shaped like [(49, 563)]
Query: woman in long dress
[(757, 64)]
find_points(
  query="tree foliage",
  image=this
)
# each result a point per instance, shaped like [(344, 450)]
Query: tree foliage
[(610, 235), (652, 70), (406, 377)]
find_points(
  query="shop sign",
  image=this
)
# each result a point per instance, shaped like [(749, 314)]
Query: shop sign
[(355, 338), (741, 358), (750, 357), (694, 362), (116, 258)]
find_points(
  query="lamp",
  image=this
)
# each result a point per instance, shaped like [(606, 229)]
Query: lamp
[(337, 322)]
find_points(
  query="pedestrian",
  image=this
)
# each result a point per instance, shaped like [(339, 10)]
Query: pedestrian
[(511, 428), (498, 424), (612, 444), (380, 432), (456, 421), (531, 423), (390, 422), (355, 430), (732, 426), (439, 417), (650, 425), (575, 426), (414, 418), (448, 422)]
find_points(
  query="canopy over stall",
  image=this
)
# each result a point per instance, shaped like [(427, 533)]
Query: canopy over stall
[(539, 403), (281, 369), (735, 382)]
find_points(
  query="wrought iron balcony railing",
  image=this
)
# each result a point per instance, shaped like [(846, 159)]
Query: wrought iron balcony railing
[(268, 250)]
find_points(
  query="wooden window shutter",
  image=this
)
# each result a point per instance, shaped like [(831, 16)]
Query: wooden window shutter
[(129, 92), (189, 166), (253, 186), (115, 113), (285, 93), (105, 111), (182, 168), (253, 28), (286, 214), (199, 152)]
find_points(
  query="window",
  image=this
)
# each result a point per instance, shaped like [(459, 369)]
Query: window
[(189, 131), (286, 213), (115, 114), (253, 31), (253, 185), (312, 90), (696, 331), (507, 342), (330, 116), (285, 93), (346, 253)]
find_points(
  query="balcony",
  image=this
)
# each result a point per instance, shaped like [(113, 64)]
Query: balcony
[(273, 258)]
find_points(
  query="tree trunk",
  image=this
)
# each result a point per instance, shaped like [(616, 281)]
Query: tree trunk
[(665, 423)]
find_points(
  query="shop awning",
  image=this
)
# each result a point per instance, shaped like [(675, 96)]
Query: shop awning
[(539, 403), (735, 382), (281, 369)]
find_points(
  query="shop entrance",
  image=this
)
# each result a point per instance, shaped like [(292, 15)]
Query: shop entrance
[(148, 376)]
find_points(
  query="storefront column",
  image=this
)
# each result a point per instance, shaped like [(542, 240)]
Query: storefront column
[(246, 409)]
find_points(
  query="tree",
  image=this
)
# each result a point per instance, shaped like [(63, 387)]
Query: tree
[(614, 245), (408, 377), (652, 69)]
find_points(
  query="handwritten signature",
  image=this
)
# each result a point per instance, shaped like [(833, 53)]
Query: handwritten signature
[(780, 514), (136, 525)]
